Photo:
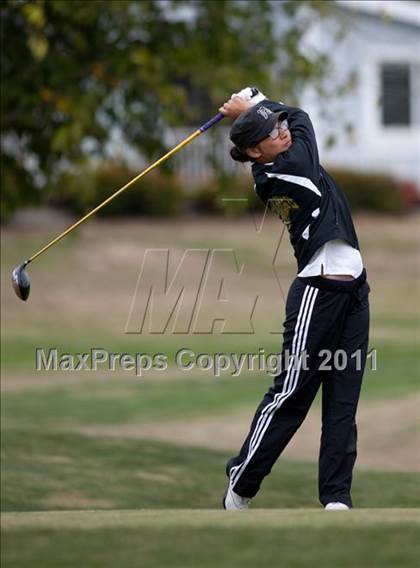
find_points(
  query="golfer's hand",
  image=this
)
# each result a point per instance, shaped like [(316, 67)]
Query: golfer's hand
[(235, 106), (251, 94)]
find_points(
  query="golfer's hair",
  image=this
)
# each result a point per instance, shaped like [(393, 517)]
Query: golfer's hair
[(239, 156)]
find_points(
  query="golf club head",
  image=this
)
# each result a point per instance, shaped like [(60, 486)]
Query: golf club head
[(21, 282)]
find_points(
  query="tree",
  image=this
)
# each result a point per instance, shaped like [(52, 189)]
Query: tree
[(74, 70)]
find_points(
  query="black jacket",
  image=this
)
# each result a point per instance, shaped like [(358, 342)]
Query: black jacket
[(297, 188)]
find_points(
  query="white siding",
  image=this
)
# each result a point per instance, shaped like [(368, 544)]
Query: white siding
[(370, 42)]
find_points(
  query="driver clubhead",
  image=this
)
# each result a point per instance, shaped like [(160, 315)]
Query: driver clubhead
[(21, 282)]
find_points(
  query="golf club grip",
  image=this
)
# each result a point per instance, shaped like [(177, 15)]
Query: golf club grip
[(216, 118)]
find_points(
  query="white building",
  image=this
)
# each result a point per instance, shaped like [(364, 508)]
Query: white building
[(377, 125), (381, 47)]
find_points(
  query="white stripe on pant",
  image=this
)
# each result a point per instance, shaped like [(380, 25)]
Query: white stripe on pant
[(293, 370)]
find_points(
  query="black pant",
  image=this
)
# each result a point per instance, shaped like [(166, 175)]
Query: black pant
[(321, 314)]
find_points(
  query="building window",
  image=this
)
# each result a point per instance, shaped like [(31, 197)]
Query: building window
[(395, 88)]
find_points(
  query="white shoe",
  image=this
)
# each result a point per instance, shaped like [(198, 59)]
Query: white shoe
[(336, 506), (234, 502)]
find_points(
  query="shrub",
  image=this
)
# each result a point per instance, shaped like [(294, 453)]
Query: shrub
[(365, 191), (409, 193), (160, 194), (17, 189), (156, 194), (369, 191), (230, 195)]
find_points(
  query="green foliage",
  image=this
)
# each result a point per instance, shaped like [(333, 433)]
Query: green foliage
[(230, 195), (155, 194), (370, 191), (16, 189), (234, 195), (74, 72)]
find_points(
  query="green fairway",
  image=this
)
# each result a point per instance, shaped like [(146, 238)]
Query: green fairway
[(47, 471), (108, 469), (183, 538), (391, 361), (80, 314)]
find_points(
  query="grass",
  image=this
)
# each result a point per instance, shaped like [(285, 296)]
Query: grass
[(47, 471), (100, 402), (152, 539), (51, 472), (100, 398), (54, 474), (201, 518), (98, 269)]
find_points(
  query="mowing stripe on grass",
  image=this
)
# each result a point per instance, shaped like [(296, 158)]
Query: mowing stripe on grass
[(314, 518)]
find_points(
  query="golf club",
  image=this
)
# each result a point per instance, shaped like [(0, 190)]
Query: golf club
[(20, 278)]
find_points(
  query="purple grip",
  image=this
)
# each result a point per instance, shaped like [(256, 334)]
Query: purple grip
[(212, 121)]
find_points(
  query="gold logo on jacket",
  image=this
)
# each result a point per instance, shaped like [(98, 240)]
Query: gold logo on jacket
[(283, 206)]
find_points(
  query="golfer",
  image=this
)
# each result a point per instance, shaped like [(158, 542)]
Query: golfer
[(326, 328)]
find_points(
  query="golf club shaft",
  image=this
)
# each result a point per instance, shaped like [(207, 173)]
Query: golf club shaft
[(174, 150)]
